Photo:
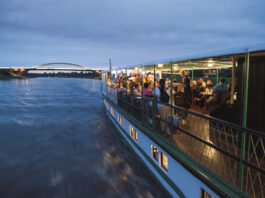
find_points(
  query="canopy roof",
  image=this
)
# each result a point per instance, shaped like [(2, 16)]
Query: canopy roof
[(210, 60)]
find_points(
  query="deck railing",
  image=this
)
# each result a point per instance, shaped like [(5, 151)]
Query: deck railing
[(214, 143)]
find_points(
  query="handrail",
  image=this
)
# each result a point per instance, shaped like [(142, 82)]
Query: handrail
[(219, 121), (225, 133)]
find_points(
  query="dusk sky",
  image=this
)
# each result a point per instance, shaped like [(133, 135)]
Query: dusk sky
[(90, 32)]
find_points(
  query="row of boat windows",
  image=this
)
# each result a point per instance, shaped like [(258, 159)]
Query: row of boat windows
[(163, 160), (160, 158)]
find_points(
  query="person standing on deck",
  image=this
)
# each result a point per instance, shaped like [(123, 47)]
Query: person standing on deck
[(187, 89), (164, 111)]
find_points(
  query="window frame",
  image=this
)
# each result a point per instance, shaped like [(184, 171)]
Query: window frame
[(152, 153), (162, 156), (112, 111)]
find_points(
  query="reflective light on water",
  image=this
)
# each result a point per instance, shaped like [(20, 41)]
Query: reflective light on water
[(56, 141)]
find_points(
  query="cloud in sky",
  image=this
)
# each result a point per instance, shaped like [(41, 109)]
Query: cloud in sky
[(129, 31)]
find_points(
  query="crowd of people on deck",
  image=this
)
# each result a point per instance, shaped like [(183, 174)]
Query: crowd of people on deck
[(194, 92)]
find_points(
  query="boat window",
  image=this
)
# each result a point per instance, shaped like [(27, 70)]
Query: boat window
[(112, 111), (131, 130), (154, 152), (164, 161), (107, 105), (120, 120), (205, 194), (135, 135)]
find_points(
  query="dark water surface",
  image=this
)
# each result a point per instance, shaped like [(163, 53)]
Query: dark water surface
[(56, 141)]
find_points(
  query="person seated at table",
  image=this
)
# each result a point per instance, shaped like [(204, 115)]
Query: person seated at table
[(197, 92), (137, 91), (216, 90), (204, 85), (209, 87), (147, 91), (201, 80), (209, 84)]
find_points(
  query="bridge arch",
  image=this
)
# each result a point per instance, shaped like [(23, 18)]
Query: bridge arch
[(71, 64)]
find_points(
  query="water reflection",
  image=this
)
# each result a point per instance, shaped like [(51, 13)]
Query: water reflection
[(56, 141)]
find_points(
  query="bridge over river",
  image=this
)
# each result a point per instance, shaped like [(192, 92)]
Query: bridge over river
[(60, 66)]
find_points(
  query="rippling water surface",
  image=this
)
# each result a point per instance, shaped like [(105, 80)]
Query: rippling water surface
[(56, 141)]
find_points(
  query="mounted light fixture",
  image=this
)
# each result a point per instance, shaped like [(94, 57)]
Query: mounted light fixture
[(210, 64), (160, 65)]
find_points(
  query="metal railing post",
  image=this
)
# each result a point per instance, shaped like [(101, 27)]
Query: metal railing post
[(143, 108), (154, 114), (244, 120), (192, 74), (153, 102), (217, 76), (171, 98)]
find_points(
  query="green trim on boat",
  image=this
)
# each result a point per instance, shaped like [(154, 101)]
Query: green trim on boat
[(161, 173), (205, 174)]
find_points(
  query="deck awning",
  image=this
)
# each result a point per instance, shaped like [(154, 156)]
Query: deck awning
[(210, 60)]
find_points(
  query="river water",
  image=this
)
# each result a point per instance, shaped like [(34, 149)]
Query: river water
[(56, 141)]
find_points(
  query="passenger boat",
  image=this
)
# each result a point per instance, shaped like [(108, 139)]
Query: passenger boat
[(197, 152)]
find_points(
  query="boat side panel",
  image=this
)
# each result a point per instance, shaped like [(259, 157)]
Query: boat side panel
[(183, 179)]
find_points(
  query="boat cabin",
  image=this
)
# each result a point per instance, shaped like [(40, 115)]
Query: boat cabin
[(212, 102)]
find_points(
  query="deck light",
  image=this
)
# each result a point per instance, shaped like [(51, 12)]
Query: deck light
[(160, 65)]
